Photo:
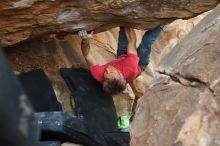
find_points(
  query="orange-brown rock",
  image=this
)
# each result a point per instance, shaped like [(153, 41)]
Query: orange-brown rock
[(24, 19)]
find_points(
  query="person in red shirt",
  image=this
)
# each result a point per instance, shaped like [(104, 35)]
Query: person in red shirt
[(130, 62)]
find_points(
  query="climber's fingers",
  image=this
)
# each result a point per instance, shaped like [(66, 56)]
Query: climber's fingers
[(80, 33), (84, 35)]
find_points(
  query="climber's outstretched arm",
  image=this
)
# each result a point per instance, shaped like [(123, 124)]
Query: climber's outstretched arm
[(85, 47)]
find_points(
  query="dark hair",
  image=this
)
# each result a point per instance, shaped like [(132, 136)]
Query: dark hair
[(114, 86)]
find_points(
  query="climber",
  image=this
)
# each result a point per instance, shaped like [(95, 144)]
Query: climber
[(130, 61)]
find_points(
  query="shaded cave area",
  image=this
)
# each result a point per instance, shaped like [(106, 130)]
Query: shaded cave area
[(51, 54)]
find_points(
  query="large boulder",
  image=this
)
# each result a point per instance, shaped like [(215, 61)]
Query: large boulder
[(181, 107), (24, 19)]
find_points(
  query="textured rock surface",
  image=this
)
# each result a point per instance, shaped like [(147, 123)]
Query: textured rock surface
[(182, 107), (51, 54), (171, 35), (24, 19), (196, 58)]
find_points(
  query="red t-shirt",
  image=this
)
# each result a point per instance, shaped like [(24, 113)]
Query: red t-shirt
[(126, 64)]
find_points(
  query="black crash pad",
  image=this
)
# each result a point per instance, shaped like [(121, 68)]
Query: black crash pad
[(63, 127), (39, 90), (50, 143), (117, 138), (95, 106)]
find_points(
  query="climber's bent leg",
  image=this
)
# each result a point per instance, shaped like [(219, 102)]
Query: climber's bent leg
[(144, 48)]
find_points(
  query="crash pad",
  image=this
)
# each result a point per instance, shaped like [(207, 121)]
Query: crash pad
[(63, 127), (95, 106), (39, 90), (91, 101)]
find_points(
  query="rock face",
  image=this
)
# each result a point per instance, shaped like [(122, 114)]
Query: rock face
[(24, 19), (51, 54), (182, 106), (171, 35)]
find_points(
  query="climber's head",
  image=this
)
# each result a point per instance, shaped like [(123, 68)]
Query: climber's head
[(114, 81)]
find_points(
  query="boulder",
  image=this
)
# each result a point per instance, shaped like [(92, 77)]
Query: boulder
[(25, 19), (181, 107)]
